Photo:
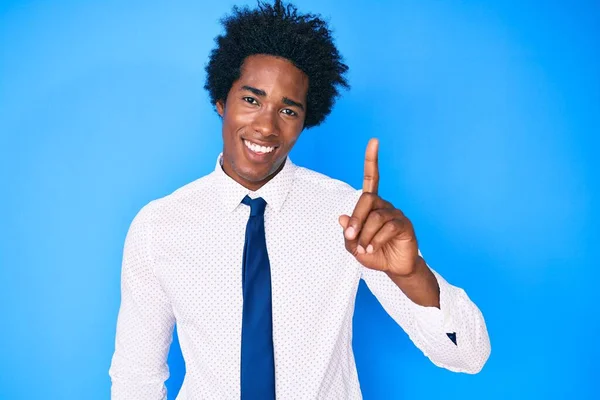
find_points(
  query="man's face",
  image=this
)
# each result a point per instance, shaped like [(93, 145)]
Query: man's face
[(262, 119)]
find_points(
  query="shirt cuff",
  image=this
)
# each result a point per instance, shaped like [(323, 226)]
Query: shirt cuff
[(433, 319)]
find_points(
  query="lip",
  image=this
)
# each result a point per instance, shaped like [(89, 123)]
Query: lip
[(259, 158)]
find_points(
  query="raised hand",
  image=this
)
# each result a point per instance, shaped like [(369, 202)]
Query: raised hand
[(377, 233)]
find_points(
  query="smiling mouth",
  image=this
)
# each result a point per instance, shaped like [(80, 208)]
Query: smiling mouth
[(258, 149)]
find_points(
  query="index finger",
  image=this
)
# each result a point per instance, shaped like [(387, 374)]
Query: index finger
[(371, 176)]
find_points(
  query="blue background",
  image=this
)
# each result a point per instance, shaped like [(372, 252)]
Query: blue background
[(488, 116)]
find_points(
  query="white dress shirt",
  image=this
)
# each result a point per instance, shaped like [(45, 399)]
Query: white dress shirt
[(182, 264)]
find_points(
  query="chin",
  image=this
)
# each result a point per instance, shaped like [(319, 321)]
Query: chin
[(253, 176)]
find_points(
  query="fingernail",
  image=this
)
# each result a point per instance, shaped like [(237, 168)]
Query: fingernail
[(360, 249), (369, 249), (350, 232)]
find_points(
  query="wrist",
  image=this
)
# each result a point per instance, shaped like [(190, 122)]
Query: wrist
[(419, 269), (420, 285)]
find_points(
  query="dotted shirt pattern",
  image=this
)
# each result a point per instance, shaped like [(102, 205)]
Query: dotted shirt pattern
[(182, 264)]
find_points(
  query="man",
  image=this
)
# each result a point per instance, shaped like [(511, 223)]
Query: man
[(259, 262)]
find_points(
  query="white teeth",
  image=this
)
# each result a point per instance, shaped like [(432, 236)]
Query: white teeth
[(258, 149)]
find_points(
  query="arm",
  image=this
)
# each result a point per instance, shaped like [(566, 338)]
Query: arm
[(453, 336), (421, 286), (145, 323), (439, 318)]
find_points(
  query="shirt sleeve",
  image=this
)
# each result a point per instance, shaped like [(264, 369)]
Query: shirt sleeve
[(145, 322), (453, 336)]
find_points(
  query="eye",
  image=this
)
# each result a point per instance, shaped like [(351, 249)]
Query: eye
[(250, 100), (289, 112)]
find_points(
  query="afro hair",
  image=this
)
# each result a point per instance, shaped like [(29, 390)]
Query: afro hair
[(279, 30)]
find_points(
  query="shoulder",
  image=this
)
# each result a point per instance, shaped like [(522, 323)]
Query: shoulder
[(177, 202), (325, 188), (313, 180)]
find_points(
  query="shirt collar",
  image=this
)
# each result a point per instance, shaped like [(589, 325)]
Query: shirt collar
[(274, 192)]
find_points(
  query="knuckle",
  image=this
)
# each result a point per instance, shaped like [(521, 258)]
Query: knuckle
[(376, 243), (354, 221), (377, 215), (368, 196), (395, 226)]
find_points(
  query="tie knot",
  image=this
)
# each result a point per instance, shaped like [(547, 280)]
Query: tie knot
[(257, 205)]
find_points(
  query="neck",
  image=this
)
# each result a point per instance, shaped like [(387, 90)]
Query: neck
[(248, 184)]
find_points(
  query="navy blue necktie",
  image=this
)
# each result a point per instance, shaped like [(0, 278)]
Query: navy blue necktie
[(258, 364)]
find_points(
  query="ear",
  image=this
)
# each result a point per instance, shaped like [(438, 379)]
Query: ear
[(220, 107)]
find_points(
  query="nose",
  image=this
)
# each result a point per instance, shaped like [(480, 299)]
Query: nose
[(266, 122)]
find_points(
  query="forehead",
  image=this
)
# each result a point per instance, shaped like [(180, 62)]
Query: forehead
[(274, 75)]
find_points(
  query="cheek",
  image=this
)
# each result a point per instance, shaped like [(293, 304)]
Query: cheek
[(292, 136), (229, 135), (230, 125), (236, 119)]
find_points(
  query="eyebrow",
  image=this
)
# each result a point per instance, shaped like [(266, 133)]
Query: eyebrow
[(262, 93), (291, 102), (258, 92)]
